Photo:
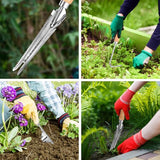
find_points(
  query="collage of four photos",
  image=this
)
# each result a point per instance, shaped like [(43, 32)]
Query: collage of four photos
[(79, 80)]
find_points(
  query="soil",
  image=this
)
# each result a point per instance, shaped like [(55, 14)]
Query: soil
[(63, 148), (90, 37)]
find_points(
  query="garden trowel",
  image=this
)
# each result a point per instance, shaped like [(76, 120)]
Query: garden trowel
[(116, 40), (50, 26), (118, 130), (44, 136)]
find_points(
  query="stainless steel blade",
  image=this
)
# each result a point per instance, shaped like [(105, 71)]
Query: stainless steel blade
[(117, 134), (55, 19)]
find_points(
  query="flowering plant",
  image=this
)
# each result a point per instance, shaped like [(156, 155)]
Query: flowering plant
[(9, 93), (27, 126), (69, 95), (9, 140), (18, 116)]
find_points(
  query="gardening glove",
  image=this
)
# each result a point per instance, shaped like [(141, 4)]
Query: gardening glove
[(66, 123), (29, 106), (117, 26), (123, 103), (131, 143), (142, 59)]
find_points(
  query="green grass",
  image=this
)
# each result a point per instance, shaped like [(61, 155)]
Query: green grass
[(145, 13)]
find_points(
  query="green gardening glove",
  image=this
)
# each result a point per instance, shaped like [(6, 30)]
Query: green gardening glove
[(141, 59), (117, 26)]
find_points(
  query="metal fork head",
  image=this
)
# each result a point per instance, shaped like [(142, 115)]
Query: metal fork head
[(44, 136)]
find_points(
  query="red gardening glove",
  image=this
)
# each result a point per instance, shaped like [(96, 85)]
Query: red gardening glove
[(131, 143), (123, 103)]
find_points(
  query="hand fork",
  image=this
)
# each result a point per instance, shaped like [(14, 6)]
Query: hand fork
[(44, 136), (116, 40), (50, 26)]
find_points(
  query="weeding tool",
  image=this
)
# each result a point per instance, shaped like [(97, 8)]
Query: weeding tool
[(50, 26), (118, 130), (116, 40), (44, 136)]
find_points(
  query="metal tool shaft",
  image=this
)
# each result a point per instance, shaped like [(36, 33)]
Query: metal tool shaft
[(55, 19), (118, 130)]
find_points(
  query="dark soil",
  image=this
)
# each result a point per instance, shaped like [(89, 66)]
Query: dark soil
[(90, 37), (63, 148)]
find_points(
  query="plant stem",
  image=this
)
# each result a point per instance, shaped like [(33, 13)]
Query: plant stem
[(4, 125)]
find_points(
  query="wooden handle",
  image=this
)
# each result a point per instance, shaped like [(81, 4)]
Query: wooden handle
[(68, 1), (121, 116), (116, 39)]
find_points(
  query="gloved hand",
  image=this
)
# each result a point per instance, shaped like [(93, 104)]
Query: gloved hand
[(141, 59), (29, 108), (117, 26), (66, 123), (131, 143), (123, 103)]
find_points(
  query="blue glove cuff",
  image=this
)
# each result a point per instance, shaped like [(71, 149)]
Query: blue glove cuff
[(19, 92), (147, 53), (62, 118)]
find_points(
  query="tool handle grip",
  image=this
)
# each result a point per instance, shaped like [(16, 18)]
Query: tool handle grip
[(116, 39), (68, 1), (121, 115)]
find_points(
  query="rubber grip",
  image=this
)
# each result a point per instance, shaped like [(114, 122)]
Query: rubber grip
[(68, 1), (121, 115), (116, 39)]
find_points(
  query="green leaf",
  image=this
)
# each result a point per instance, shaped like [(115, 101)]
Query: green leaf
[(12, 133), (2, 137), (18, 148), (28, 139), (16, 141)]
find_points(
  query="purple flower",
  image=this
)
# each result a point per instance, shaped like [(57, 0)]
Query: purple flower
[(67, 87), (76, 89), (23, 122), (59, 89), (20, 117), (67, 93), (9, 92), (38, 98), (23, 143), (41, 107), (17, 108)]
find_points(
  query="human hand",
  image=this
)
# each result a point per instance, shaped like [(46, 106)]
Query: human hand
[(66, 124), (123, 103), (117, 26), (131, 143), (142, 59), (29, 108)]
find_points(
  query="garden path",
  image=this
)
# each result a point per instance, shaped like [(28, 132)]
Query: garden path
[(138, 155)]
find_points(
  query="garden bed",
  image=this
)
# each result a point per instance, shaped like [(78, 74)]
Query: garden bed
[(96, 52), (63, 147), (97, 109)]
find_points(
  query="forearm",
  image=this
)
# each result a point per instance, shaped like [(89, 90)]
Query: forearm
[(128, 6), (48, 95), (154, 42), (137, 85), (152, 129)]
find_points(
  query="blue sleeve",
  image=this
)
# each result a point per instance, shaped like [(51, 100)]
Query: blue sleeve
[(48, 95), (128, 6), (154, 42)]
